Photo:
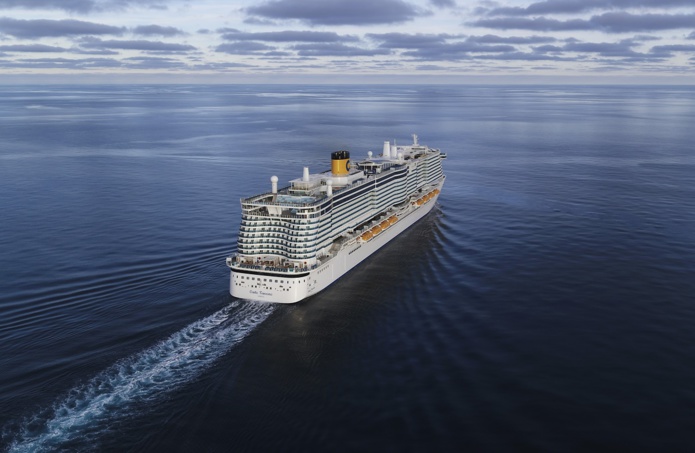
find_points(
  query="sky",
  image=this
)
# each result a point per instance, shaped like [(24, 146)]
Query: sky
[(289, 41)]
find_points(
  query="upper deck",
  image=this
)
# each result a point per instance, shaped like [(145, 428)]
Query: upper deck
[(307, 194)]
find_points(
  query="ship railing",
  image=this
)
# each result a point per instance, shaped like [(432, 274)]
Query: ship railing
[(288, 269)]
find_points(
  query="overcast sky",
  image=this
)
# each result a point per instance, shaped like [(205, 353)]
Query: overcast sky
[(348, 40)]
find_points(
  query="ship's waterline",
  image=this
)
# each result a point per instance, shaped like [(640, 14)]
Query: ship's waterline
[(296, 241)]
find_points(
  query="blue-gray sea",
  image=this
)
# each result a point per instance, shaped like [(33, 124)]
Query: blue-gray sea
[(547, 303)]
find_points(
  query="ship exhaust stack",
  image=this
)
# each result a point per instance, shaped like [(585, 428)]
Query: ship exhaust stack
[(387, 150), (305, 176), (329, 187), (340, 163), (274, 184)]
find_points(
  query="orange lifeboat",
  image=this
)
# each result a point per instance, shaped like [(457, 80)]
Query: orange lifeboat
[(376, 230), (393, 219), (367, 236), (419, 202), (385, 224)]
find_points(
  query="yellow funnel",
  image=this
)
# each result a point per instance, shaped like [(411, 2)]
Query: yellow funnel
[(340, 163)]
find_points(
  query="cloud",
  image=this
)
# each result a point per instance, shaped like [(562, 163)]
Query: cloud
[(660, 49), (152, 46), (288, 36), (535, 24), (338, 12), (409, 41), (80, 6), (431, 67), (521, 56), (432, 47), (153, 63), (494, 39), (619, 49), (39, 28), (444, 47), (422, 41), (243, 48), (67, 5), (626, 22), (31, 48), (456, 51), (578, 6), (608, 22), (61, 63), (336, 49), (93, 51), (547, 49), (212, 66), (157, 30), (691, 35), (443, 3)]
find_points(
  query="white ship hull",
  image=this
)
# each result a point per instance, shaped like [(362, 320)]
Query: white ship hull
[(291, 287)]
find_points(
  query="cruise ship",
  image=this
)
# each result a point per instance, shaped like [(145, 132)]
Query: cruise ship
[(295, 241)]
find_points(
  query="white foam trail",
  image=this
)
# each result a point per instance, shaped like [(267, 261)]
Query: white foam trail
[(90, 409)]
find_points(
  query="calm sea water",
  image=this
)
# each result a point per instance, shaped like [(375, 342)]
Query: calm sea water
[(546, 303)]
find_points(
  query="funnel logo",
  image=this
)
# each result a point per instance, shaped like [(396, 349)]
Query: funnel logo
[(347, 165)]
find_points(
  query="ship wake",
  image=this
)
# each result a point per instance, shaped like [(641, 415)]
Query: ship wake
[(90, 410)]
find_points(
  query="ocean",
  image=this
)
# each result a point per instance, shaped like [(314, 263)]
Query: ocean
[(547, 303)]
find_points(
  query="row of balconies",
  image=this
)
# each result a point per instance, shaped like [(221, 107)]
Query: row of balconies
[(265, 221), (304, 254), (292, 237), (292, 231), (243, 242)]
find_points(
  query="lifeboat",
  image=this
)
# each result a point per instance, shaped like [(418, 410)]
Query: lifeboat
[(376, 230), (385, 224), (393, 219), (367, 235), (419, 202)]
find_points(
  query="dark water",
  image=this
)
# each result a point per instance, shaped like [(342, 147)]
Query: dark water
[(547, 303)]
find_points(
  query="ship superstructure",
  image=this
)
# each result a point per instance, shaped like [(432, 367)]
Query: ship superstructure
[(295, 241)]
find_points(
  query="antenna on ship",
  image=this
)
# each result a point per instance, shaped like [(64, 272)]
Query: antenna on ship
[(415, 140)]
